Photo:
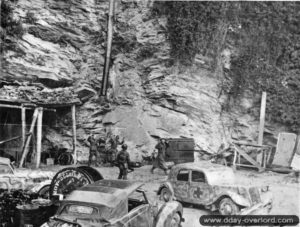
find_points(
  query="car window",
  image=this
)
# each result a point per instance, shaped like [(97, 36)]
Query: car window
[(183, 175), (78, 209), (4, 169), (198, 176)]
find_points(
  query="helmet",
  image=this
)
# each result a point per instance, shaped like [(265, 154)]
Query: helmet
[(124, 146)]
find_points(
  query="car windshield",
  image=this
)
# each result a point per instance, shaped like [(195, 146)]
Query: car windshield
[(76, 209), (5, 169), (85, 210)]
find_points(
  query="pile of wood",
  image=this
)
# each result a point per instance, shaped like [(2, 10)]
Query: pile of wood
[(38, 94)]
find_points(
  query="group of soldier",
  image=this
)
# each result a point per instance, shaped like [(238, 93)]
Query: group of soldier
[(106, 151)]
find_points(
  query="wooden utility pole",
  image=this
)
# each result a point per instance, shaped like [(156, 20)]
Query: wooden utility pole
[(74, 133), (26, 145), (39, 137), (105, 76)]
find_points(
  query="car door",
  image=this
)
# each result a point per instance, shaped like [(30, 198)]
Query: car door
[(200, 191), (139, 211), (7, 178), (181, 185)]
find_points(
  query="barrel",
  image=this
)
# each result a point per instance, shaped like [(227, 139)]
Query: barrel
[(28, 215)]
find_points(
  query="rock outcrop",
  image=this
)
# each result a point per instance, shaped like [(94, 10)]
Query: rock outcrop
[(65, 46)]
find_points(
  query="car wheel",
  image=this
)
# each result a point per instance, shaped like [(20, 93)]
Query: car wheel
[(228, 207), (44, 192), (175, 222), (166, 195)]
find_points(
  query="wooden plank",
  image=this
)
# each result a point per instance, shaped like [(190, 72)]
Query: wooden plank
[(248, 144), (284, 149), (248, 158), (74, 133), (39, 137), (23, 117), (27, 142)]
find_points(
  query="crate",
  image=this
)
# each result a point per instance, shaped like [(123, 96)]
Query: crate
[(49, 161)]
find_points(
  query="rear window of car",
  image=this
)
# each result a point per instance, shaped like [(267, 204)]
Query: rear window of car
[(183, 175), (198, 176), (78, 209)]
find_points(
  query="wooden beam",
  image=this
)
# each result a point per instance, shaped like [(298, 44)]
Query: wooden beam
[(74, 133), (39, 137), (248, 158), (27, 142), (25, 107), (23, 117), (11, 139)]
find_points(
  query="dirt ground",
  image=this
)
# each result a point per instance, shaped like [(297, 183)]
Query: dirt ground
[(285, 188)]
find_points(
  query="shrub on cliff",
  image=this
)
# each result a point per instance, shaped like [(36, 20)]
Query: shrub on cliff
[(9, 26)]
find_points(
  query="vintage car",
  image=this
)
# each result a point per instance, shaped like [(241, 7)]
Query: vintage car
[(212, 186), (35, 181), (114, 203)]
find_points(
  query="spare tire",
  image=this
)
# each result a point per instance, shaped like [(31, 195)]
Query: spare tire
[(93, 173), (67, 180)]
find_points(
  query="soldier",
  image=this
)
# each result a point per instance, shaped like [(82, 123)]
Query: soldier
[(93, 150), (159, 161), (123, 162), (102, 150), (114, 142)]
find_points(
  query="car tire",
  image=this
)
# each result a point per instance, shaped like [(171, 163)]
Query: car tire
[(44, 192), (228, 207), (166, 195), (176, 220)]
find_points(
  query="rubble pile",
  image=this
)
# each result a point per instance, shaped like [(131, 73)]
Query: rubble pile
[(38, 95)]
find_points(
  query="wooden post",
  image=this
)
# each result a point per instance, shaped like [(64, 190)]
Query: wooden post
[(26, 145), (261, 125), (23, 113), (39, 137), (262, 118), (74, 133), (108, 49)]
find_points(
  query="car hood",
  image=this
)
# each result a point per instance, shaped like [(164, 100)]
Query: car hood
[(29, 173), (72, 221)]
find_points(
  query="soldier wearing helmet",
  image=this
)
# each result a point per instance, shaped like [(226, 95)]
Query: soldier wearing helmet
[(123, 162)]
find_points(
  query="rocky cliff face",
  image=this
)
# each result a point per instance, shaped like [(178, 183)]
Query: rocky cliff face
[(65, 45)]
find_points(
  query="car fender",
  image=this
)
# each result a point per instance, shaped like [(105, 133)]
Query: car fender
[(40, 185), (239, 200), (166, 212), (166, 185)]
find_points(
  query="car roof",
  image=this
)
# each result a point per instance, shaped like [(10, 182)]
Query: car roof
[(201, 166), (109, 193), (4, 161), (216, 174)]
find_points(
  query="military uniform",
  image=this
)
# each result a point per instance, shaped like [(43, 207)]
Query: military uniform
[(114, 142), (123, 162), (93, 150), (159, 161)]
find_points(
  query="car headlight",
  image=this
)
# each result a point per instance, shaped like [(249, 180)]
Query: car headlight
[(45, 225), (242, 191)]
